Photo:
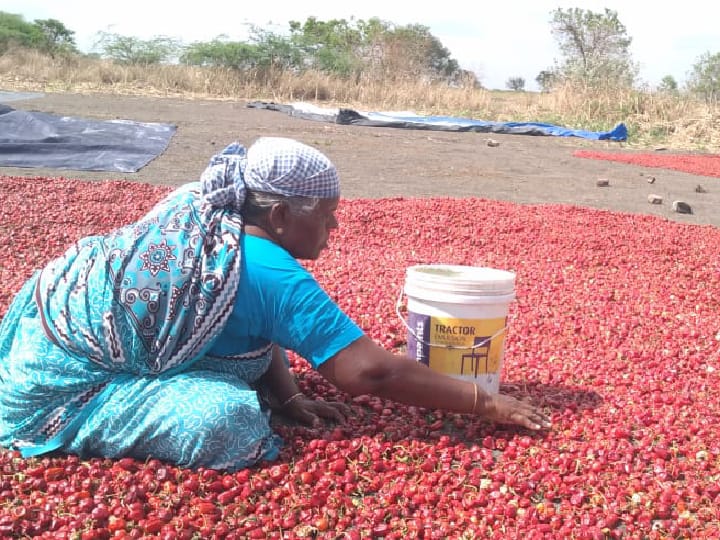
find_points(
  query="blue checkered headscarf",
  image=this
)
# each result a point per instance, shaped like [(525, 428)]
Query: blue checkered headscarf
[(271, 165)]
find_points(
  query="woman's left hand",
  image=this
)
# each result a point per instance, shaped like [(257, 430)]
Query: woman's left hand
[(311, 411)]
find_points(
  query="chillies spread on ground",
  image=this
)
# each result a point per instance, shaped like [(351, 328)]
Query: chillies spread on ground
[(616, 327)]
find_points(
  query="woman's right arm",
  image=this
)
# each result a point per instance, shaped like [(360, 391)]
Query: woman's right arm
[(364, 367)]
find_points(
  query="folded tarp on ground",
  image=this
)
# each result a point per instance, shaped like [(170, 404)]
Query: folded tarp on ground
[(41, 140), (410, 120)]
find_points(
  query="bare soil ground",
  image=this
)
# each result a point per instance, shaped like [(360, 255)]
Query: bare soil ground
[(391, 162)]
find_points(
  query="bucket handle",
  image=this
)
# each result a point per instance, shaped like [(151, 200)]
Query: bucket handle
[(398, 304)]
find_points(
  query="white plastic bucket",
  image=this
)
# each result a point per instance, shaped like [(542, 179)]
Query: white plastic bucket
[(457, 317)]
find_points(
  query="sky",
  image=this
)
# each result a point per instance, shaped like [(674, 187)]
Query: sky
[(496, 40)]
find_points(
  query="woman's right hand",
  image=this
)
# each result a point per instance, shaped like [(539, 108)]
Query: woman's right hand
[(505, 409), (364, 367)]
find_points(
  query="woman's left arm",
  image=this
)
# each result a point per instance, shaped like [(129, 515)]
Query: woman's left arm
[(291, 401), (278, 379)]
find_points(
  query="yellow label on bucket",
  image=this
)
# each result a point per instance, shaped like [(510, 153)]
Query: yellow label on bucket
[(475, 352)]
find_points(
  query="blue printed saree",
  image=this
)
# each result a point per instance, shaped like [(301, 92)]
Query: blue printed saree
[(103, 351)]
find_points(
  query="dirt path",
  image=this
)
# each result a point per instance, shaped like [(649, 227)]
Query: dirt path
[(390, 162)]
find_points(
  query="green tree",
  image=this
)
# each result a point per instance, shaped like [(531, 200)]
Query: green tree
[(276, 51), (427, 52), (516, 84), (595, 47), (668, 85), (330, 46), (56, 38), (264, 49), (15, 31), (338, 46), (371, 46), (546, 79), (222, 53), (131, 50), (704, 80), (47, 35), (411, 50)]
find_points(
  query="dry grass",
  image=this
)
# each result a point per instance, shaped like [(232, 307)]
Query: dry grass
[(675, 121)]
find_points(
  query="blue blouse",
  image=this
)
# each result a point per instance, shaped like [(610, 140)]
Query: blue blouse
[(279, 301)]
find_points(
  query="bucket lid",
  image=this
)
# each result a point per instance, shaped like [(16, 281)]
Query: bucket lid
[(467, 280)]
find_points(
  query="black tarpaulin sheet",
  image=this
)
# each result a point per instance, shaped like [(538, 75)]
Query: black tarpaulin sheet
[(410, 120), (42, 140)]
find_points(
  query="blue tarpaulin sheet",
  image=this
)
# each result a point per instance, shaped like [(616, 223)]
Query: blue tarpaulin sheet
[(42, 140), (409, 120)]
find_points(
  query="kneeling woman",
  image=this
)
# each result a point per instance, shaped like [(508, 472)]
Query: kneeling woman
[(150, 341)]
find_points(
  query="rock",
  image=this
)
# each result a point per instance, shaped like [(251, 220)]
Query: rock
[(700, 189), (492, 143), (681, 207), (651, 179), (655, 199), (602, 182)]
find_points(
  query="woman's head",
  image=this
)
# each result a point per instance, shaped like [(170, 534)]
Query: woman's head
[(288, 167), (301, 225), (273, 165), (288, 189)]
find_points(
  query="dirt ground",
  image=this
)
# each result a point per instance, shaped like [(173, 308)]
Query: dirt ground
[(391, 162)]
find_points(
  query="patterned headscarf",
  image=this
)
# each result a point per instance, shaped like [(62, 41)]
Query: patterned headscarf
[(271, 165)]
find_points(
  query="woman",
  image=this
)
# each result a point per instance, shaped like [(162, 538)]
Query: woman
[(151, 340)]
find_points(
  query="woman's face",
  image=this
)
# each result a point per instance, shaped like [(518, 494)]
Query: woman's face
[(306, 235)]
